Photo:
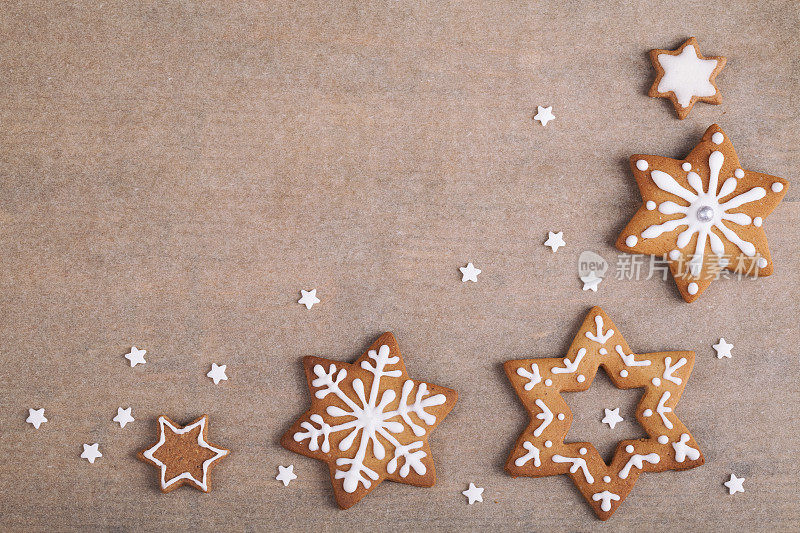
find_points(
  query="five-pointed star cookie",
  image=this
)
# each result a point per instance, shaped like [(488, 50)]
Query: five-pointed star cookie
[(183, 455), (369, 421), (685, 77), (541, 450), (703, 213)]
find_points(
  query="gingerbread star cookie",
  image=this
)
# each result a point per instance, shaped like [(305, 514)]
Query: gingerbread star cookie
[(369, 421), (685, 77), (703, 214), (183, 454), (541, 450)]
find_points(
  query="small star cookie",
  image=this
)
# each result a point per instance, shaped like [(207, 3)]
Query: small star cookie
[(183, 455), (685, 77)]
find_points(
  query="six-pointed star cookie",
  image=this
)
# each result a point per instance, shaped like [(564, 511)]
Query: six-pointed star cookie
[(704, 213), (685, 77), (369, 421), (541, 450), (183, 454)]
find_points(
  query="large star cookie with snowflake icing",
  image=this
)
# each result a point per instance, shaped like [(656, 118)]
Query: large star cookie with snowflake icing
[(540, 449), (704, 214), (686, 77), (369, 421)]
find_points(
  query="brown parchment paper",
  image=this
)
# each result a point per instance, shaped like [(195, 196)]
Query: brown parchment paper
[(173, 173)]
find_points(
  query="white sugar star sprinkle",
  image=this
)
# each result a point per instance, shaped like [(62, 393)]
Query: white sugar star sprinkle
[(136, 356), (544, 114), (723, 348), (286, 474), (469, 273), (734, 484), (90, 452), (309, 298), (473, 493), (123, 416), (555, 240), (36, 417), (591, 281), (612, 417), (217, 373)]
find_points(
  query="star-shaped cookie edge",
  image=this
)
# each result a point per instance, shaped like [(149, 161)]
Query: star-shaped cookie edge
[(523, 372), (681, 111), (343, 499), (698, 159), (202, 440)]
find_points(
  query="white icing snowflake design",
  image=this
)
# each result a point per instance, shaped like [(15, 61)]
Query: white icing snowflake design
[(705, 211), (371, 416)]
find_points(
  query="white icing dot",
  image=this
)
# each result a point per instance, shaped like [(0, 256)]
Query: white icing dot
[(582, 451), (777, 186), (629, 448), (581, 378), (686, 166), (674, 254), (631, 240), (561, 416), (656, 381), (647, 412), (607, 479), (603, 351), (758, 221), (641, 164), (762, 262), (650, 205), (623, 373), (717, 138), (547, 444), (548, 382), (739, 173), (663, 439), (692, 288)]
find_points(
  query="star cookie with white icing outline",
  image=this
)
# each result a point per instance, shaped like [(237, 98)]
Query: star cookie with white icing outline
[(369, 421), (541, 451), (183, 455), (703, 214), (686, 77)]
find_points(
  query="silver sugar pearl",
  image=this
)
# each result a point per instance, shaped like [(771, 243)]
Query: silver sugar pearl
[(705, 214)]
